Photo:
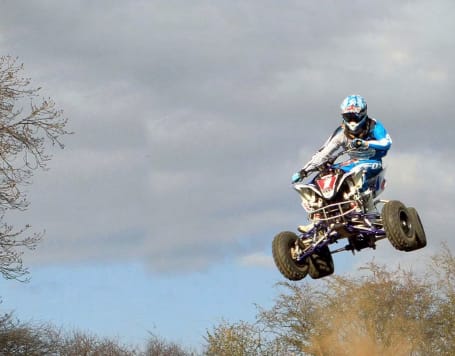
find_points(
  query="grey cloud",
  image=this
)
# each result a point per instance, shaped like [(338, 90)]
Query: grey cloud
[(190, 117)]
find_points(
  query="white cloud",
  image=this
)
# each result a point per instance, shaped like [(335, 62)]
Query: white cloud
[(257, 259)]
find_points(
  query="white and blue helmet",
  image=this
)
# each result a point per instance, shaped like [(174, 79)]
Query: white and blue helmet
[(354, 113)]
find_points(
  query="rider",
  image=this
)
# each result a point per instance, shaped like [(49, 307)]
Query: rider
[(365, 137)]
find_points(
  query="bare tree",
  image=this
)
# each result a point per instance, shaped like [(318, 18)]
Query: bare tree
[(234, 339), (382, 313), (157, 346), (18, 338), (84, 344), (29, 125), (443, 331)]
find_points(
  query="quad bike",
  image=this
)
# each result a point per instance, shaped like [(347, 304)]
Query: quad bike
[(338, 209)]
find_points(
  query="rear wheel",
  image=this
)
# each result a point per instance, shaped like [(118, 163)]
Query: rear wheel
[(321, 263), (418, 227), (285, 251), (398, 226)]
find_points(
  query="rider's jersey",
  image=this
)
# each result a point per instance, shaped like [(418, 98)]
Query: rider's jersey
[(378, 139)]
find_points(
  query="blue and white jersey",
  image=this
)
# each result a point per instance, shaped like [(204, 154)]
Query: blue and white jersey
[(378, 139)]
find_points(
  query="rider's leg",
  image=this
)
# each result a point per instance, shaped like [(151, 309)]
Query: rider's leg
[(371, 169)]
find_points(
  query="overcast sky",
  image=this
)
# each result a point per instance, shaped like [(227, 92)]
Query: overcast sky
[(190, 118)]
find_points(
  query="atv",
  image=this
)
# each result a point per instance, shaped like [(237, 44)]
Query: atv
[(339, 207)]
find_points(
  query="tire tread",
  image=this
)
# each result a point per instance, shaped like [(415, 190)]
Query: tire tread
[(281, 255)]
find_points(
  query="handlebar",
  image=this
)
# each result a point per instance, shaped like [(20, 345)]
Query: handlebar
[(330, 161)]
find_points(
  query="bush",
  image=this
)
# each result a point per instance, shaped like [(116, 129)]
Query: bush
[(382, 312)]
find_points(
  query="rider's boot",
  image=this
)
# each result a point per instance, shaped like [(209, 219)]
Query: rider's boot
[(305, 228)]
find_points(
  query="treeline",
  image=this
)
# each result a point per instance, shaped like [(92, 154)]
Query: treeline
[(380, 311), (29, 339)]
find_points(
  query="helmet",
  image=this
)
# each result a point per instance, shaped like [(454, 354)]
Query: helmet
[(354, 113)]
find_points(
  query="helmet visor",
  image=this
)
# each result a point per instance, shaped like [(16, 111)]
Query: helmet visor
[(353, 117)]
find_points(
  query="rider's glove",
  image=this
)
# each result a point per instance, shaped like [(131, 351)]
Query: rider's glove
[(358, 143), (296, 177)]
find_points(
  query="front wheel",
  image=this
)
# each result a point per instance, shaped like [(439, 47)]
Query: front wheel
[(399, 226), (285, 252)]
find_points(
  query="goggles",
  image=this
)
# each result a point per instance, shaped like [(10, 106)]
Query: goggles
[(353, 117)]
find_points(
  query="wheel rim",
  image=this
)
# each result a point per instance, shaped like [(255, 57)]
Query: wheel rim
[(295, 255), (405, 223)]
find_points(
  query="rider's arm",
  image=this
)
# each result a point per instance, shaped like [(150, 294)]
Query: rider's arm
[(382, 140), (327, 150)]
